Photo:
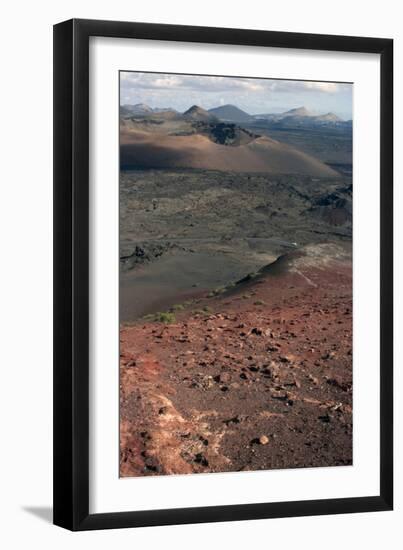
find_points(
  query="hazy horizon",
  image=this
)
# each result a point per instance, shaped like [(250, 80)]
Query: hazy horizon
[(253, 95)]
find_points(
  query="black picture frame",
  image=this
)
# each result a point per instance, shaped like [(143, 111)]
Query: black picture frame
[(71, 274)]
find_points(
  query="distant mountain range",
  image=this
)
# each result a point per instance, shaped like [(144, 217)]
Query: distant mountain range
[(142, 109), (299, 117), (294, 118), (295, 113)]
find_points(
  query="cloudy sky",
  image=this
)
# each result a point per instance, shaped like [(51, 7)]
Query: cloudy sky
[(250, 94)]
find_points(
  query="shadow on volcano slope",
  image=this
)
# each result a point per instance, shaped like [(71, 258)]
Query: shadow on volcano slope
[(139, 149)]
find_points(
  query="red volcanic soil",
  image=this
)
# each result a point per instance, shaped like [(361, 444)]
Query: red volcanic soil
[(265, 381)]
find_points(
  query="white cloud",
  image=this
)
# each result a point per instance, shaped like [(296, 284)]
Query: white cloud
[(251, 94), (204, 83), (328, 87)]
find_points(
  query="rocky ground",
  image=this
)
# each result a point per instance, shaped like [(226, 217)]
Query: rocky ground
[(257, 375), (185, 206), (184, 232)]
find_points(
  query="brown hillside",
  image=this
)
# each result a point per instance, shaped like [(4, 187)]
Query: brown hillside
[(141, 149)]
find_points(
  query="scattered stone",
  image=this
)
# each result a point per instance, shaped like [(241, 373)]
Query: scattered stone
[(201, 459), (224, 377), (325, 418), (208, 382), (267, 374), (278, 394), (272, 370), (236, 419), (273, 347), (289, 358), (339, 383)]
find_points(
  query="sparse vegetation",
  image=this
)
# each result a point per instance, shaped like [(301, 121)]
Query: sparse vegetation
[(161, 317), (216, 291), (199, 312), (205, 310)]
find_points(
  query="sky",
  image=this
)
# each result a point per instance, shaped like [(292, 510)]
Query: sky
[(253, 95)]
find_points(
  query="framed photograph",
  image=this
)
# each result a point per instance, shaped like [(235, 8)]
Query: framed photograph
[(223, 321)]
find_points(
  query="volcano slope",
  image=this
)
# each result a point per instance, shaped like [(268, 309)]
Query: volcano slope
[(255, 376), (198, 140)]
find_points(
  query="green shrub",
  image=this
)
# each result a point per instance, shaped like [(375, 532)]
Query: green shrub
[(160, 317), (165, 317)]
